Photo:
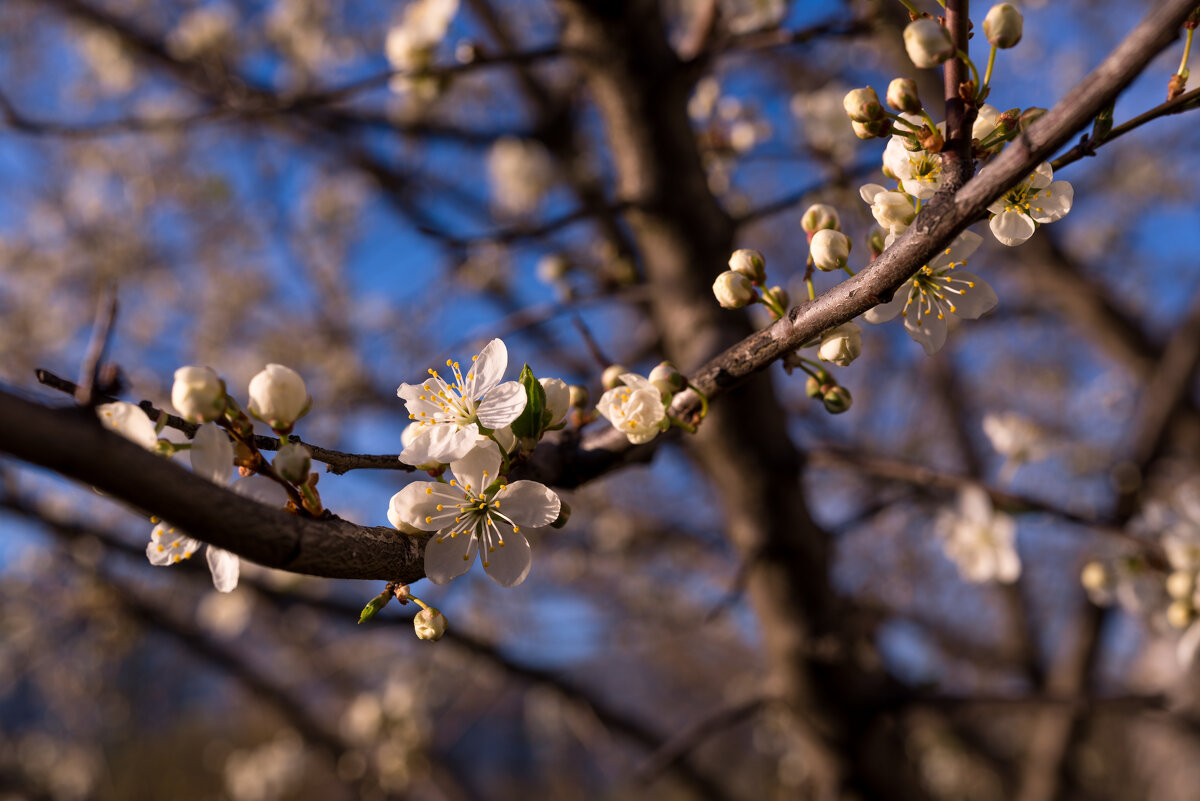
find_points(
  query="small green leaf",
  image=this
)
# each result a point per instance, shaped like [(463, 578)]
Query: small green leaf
[(373, 606), (532, 421)]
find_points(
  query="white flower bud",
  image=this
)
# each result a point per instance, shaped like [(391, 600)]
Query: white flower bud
[(841, 345), (558, 398), (862, 105), (837, 400), (293, 462), (733, 290), (1003, 26), (829, 249), (818, 217), (429, 624), (779, 295), (749, 263), (902, 95), (892, 210), (876, 129), (198, 394), (669, 374), (612, 376), (579, 396), (278, 396), (928, 43)]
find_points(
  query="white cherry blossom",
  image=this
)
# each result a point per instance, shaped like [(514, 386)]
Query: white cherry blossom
[(212, 458), (635, 409), (130, 422), (1036, 200), (978, 539), (476, 512), (892, 210), (450, 417), (938, 292), (918, 171)]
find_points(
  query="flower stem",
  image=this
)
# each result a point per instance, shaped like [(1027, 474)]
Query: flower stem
[(1187, 48), (962, 56), (987, 74), (849, 272), (688, 427), (910, 125), (912, 9), (812, 292)]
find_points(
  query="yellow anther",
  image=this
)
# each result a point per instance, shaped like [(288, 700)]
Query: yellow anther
[(516, 528), (449, 362), (161, 549), (474, 358), (491, 549), (439, 507), (428, 519), (465, 559), (429, 490)]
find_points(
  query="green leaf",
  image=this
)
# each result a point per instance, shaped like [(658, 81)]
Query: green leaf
[(532, 421), (373, 606)]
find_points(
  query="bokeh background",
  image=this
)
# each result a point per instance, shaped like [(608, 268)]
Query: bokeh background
[(260, 185)]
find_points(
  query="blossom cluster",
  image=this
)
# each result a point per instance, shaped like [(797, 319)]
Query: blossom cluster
[(277, 397)]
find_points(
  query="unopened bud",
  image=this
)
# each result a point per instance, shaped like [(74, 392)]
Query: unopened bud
[(877, 129), (818, 217), (611, 379), (830, 249), (928, 43), (558, 399), (837, 400), (750, 263), (1003, 26), (373, 606), (429, 624), (278, 397), (292, 462), (876, 242), (862, 105), (902, 95), (579, 396), (733, 290), (813, 388), (198, 394), (668, 373), (779, 295), (931, 140), (841, 345), (1029, 116), (1176, 85)]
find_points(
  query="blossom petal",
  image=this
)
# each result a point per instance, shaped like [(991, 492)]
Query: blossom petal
[(486, 370), (930, 331), (418, 451), (225, 567), (130, 422), (501, 405), (417, 505), (888, 311), (509, 563), (1011, 227), (460, 442), (977, 296), (528, 503), (1053, 203), (212, 454), (449, 557), (479, 468), (168, 545), (868, 192), (1188, 645), (261, 489)]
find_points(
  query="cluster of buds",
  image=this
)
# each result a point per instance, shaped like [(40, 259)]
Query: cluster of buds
[(867, 117), (745, 283), (824, 387)]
